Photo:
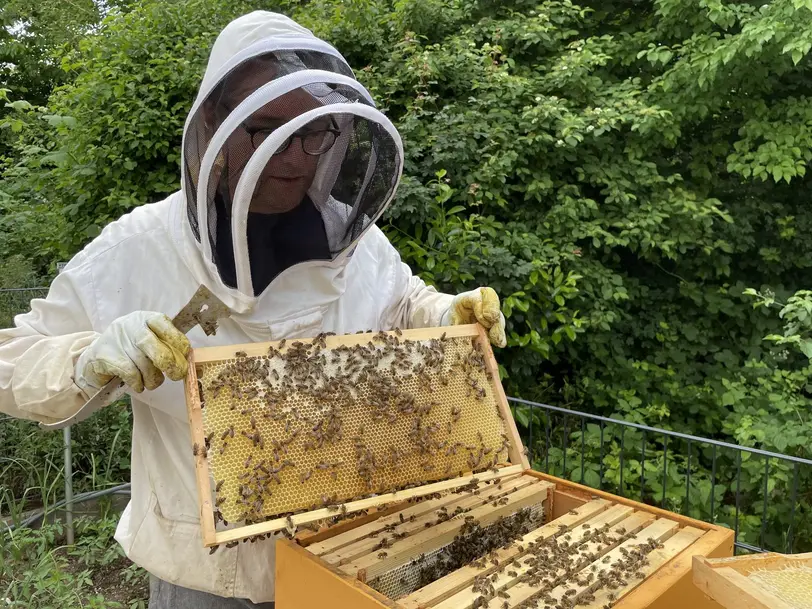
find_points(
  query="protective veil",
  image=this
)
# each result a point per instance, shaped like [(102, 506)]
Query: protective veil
[(285, 159)]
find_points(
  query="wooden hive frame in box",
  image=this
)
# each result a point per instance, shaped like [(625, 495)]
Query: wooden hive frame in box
[(592, 550), (306, 430), (761, 581)]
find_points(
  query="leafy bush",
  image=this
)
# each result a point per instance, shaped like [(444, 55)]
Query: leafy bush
[(32, 466), (38, 572)]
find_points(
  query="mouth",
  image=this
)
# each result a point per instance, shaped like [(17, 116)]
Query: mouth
[(285, 178)]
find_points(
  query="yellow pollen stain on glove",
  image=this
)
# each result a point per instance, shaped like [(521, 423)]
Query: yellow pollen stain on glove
[(482, 306), (142, 348), (172, 348)]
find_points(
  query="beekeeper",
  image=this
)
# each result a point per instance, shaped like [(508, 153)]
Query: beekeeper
[(286, 166)]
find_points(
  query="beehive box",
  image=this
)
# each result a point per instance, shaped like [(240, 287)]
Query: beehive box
[(313, 430), (581, 548), (762, 581)]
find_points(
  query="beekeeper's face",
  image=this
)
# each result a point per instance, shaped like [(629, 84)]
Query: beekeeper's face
[(289, 173)]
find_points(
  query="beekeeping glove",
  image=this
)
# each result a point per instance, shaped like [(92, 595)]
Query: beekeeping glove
[(139, 348), (480, 305)]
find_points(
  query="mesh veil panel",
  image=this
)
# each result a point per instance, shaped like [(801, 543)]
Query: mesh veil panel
[(257, 71), (367, 177), (343, 165)]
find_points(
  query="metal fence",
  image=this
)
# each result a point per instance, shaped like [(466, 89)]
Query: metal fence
[(756, 492), (17, 300), (707, 479)]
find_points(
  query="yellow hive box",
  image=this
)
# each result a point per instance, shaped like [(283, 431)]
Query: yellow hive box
[(640, 555), (762, 581)]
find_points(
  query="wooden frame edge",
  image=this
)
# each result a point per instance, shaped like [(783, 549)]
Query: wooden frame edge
[(756, 561), (205, 355), (277, 524), (195, 414), (516, 450), (730, 588)]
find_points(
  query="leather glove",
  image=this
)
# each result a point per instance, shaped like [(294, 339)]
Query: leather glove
[(139, 348), (481, 305)]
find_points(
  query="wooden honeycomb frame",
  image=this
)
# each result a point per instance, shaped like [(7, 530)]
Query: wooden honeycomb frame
[(490, 409), (728, 581), (313, 572)]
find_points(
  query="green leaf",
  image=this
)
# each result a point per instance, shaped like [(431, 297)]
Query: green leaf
[(797, 55), (19, 105), (591, 478)]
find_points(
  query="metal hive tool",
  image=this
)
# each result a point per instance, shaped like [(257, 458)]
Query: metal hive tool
[(302, 424)]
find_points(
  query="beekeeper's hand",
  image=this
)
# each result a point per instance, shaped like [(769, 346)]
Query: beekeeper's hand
[(139, 348), (480, 305)]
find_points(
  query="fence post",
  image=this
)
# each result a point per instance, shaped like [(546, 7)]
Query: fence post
[(68, 469), (68, 487)]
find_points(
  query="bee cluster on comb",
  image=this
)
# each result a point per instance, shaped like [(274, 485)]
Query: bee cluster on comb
[(499, 546), (300, 425)]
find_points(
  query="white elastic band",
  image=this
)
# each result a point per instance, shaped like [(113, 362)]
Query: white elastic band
[(259, 98), (255, 166)]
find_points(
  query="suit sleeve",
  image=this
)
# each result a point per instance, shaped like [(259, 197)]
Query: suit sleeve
[(38, 354), (412, 303)]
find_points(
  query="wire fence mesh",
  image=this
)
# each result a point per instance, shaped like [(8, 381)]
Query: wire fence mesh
[(14, 301), (762, 495)]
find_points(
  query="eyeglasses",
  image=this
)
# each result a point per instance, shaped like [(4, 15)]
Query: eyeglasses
[(314, 141)]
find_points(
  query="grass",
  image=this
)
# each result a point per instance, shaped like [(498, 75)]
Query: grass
[(38, 571)]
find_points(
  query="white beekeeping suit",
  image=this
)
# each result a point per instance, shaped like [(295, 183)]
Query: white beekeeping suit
[(286, 166)]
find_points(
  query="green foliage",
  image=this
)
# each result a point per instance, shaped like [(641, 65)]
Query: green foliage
[(31, 463), (118, 120), (38, 572)]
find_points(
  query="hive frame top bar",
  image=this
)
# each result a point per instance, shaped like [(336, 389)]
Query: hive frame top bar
[(517, 461), (205, 355)]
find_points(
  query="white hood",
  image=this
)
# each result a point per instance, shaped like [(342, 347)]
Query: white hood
[(343, 164)]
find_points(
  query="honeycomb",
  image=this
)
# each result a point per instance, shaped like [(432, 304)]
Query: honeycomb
[(408, 577), (792, 584), (307, 425)]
